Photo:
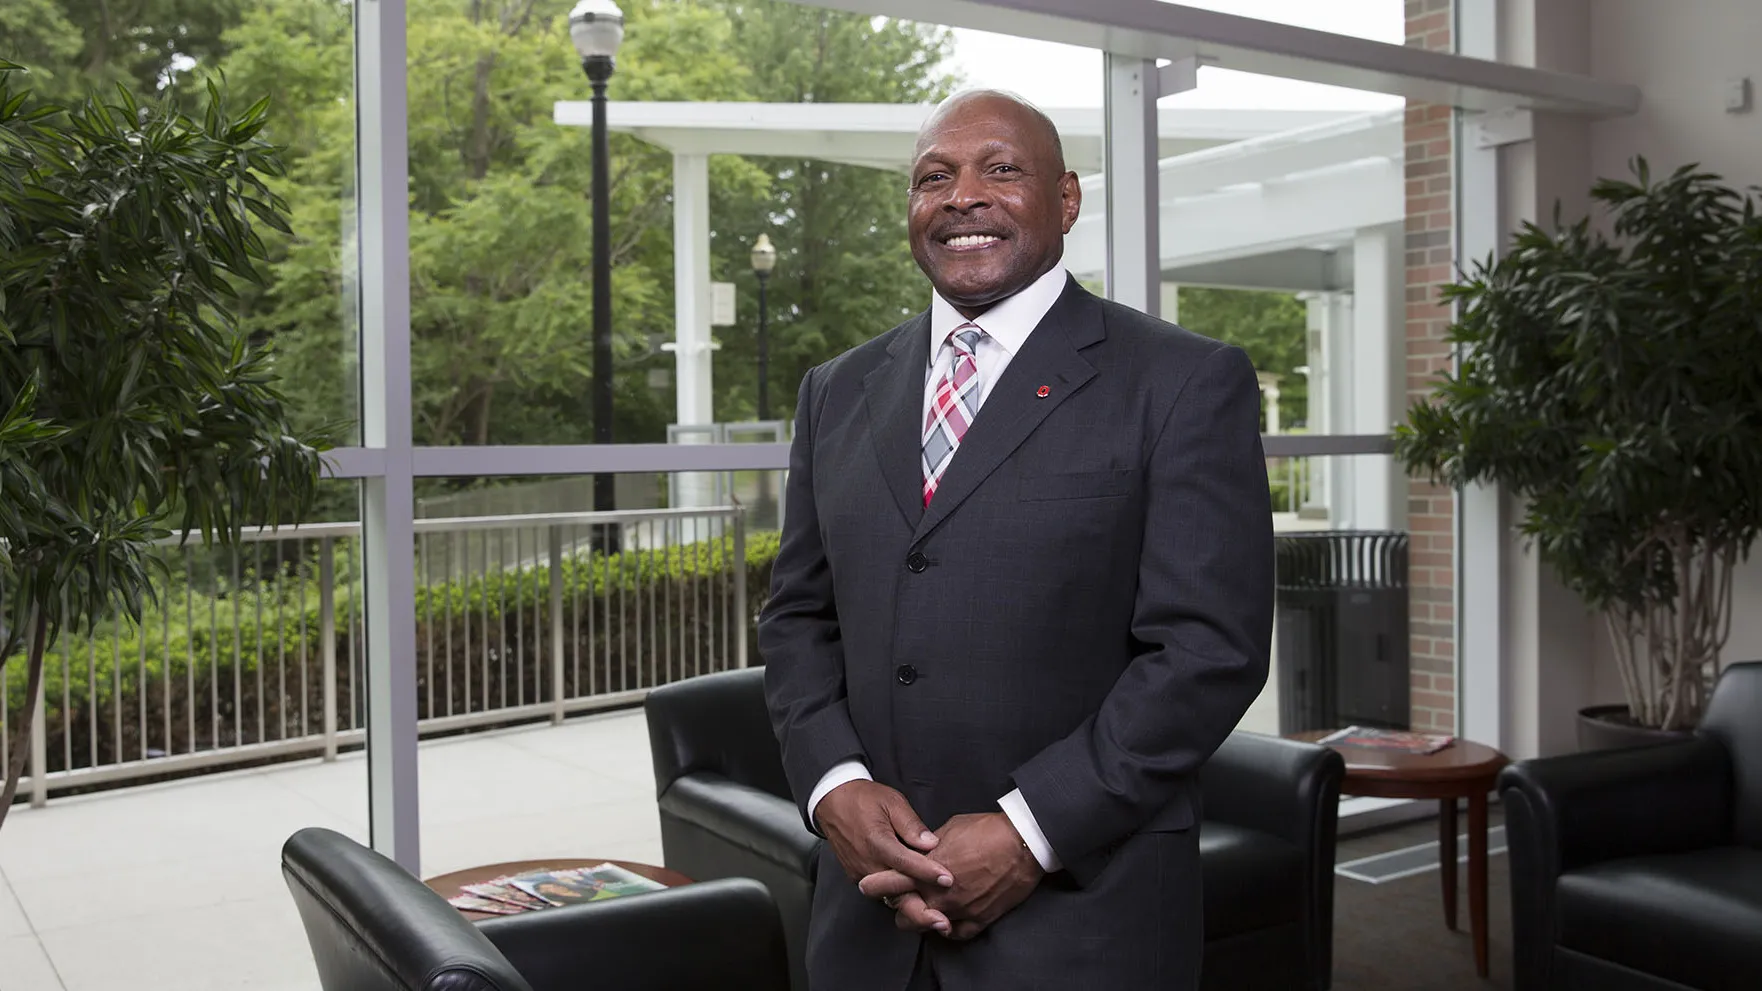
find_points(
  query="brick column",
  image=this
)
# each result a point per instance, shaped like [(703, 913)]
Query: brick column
[(1430, 259)]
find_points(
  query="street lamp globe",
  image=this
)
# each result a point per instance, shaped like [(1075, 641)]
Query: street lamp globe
[(597, 28), (764, 255)]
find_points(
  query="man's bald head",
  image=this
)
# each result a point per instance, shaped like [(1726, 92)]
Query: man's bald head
[(1048, 130), (991, 199)]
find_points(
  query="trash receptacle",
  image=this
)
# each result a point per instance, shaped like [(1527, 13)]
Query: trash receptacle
[(1342, 629)]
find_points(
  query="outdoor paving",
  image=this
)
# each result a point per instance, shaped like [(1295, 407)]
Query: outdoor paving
[(178, 885)]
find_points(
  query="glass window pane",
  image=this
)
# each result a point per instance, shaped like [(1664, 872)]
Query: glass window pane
[(299, 54), (1363, 625), (531, 609), (501, 223), (241, 654), (247, 659)]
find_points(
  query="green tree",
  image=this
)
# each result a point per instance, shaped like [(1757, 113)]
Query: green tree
[(73, 47), (500, 245), (499, 238), (845, 271), (37, 36)]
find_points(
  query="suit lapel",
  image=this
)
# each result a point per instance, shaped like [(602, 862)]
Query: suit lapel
[(894, 394), (1013, 407)]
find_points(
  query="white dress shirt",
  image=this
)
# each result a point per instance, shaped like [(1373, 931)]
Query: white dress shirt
[(1007, 326)]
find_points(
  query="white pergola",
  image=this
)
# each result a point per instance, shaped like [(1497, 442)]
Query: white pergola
[(1303, 201), (877, 136)]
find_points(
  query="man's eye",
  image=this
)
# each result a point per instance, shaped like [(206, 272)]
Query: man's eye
[(932, 177), (1006, 168)]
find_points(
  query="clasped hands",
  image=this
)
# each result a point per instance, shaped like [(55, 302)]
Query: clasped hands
[(955, 881)]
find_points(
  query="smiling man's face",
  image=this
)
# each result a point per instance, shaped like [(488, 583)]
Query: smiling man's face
[(990, 201)]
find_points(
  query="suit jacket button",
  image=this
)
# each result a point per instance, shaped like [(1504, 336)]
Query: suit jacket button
[(916, 563), (906, 674)]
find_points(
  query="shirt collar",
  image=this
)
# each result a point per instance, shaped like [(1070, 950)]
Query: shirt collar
[(1009, 322)]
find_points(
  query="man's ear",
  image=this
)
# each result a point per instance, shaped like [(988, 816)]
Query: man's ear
[(1070, 193)]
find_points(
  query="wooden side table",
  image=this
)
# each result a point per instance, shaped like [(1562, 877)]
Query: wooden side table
[(1464, 769), (451, 885)]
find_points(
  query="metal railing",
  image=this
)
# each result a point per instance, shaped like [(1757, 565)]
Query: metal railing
[(260, 653)]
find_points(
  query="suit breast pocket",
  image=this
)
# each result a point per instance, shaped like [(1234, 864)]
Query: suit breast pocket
[(1034, 487)]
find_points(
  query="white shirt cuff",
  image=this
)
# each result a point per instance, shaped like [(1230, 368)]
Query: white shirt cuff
[(842, 772), (1021, 817)]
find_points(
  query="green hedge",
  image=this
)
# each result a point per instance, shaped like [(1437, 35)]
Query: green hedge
[(183, 656)]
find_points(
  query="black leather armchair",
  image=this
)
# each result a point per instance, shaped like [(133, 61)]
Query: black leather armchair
[(724, 801), (1266, 842), (1266, 850), (1642, 868), (373, 927)]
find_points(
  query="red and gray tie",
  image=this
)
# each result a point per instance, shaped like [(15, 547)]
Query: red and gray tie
[(953, 407)]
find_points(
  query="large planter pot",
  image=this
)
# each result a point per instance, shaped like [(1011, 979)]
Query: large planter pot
[(1608, 727)]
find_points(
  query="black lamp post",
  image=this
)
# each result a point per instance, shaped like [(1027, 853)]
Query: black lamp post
[(764, 260), (597, 28)]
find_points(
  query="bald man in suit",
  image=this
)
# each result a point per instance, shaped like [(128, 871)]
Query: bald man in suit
[(1024, 592)]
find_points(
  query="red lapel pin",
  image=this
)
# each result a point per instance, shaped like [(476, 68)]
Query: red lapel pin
[(1043, 392)]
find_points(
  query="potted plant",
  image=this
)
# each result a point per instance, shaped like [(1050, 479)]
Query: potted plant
[(129, 398), (1613, 385)]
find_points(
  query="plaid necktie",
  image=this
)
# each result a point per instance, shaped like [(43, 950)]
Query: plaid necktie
[(953, 407)]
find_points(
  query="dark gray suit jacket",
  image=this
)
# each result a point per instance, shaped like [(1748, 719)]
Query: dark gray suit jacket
[(1083, 612)]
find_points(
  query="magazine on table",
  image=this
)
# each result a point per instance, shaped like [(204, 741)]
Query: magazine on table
[(585, 884), (488, 906), (501, 892), (1375, 738), (532, 890)]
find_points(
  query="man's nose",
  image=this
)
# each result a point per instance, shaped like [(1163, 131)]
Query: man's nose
[(968, 191)]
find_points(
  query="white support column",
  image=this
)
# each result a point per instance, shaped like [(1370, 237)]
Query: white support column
[(388, 500), (1315, 412), (1171, 302), (692, 348), (1530, 651), (691, 287), (1316, 347), (1482, 705), (1134, 258), (1379, 380), (1331, 400)]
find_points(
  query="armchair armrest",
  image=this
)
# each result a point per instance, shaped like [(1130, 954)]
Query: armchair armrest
[(1584, 808), (752, 820), (1282, 787), (717, 723), (1289, 790), (713, 934), (1577, 809)]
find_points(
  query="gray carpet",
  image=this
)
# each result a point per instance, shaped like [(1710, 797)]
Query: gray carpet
[(1391, 936)]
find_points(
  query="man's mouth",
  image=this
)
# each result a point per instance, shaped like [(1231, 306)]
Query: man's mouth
[(970, 240)]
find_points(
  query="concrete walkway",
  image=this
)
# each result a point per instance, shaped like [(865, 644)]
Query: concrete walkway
[(179, 885)]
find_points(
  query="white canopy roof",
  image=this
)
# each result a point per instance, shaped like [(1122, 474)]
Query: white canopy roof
[(1249, 198), (881, 135), (1267, 212)]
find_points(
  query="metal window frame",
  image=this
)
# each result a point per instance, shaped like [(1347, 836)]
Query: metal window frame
[(1150, 29), (382, 168)]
